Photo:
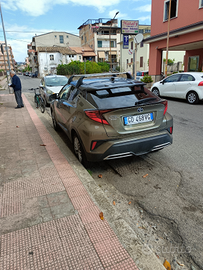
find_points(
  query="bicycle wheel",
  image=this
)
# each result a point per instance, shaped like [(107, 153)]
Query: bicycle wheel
[(36, 100), (42, 105)]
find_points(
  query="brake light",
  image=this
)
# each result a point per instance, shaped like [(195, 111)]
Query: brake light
[(142, 73), (200, 84), (97, 116), (166, 106)]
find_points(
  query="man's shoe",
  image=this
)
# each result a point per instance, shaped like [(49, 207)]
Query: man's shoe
[(17, 107), (22, 106)]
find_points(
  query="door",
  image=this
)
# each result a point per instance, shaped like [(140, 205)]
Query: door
[(168, 87), (68, 108), (185, 84), (63, 95)]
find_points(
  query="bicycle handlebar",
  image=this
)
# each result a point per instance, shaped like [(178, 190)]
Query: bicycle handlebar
[(33, 88)]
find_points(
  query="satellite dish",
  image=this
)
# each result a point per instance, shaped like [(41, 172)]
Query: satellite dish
[(138, 38)]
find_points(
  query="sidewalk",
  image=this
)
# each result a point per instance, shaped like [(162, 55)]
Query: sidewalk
[(48, 220)]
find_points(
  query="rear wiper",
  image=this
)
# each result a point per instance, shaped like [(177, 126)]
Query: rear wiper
[(145, 100)]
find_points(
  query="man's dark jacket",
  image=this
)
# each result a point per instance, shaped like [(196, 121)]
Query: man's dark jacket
[(16, 84)]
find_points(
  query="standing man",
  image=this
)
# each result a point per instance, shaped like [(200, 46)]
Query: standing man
[(16, 84)]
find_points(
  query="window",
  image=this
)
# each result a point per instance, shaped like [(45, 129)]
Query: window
[(55, 36), (193, 63), (187, 77), (141, 61), (141, 31), (51, 56), (72, 93), (172, 78), (67, 36), (147, 30), (61, 39), (174, 9), (200, 3), (99, 44), (131, 45), (64, 93), (112, 44)]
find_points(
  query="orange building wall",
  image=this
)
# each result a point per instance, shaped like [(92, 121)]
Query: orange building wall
[(188, 13)]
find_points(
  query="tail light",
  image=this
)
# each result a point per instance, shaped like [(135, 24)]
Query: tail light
[(200, 84), (97, 116), (142, 73), (165, 103)]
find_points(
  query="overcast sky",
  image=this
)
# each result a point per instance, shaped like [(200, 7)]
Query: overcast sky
[(25, 18)]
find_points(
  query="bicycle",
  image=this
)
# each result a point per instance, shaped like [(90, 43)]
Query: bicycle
[(39, 100)]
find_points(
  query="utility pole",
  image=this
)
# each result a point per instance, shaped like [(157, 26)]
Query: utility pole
[(110, 39), (9, 66), (169, 17)]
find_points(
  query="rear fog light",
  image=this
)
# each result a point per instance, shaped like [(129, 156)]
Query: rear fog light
[(93, 145), (170, 130)]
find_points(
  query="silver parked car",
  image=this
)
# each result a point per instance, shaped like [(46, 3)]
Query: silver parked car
[(51, 84)]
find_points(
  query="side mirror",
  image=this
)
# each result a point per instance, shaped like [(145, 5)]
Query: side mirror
[(53, 96), (162, 81)]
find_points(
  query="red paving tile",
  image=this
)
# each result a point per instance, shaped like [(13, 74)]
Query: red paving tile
[(80, 241)]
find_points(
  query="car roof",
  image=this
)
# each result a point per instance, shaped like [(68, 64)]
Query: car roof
[(85, 82), (189, 72)]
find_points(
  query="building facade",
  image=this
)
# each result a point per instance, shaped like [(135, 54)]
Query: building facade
[(141, 52), (103, 36), (185, 33), (4, 59), (53, 45)]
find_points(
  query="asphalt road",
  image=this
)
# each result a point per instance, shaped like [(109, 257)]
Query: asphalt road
[(166, 205)]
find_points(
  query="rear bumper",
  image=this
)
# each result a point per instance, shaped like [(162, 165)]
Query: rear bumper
[(132, 148)]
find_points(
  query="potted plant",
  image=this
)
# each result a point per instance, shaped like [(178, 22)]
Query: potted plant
[(148, 80)]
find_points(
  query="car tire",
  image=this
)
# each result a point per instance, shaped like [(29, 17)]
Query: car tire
[(55, 124), (156, 91), (79, 151), (192, 97)]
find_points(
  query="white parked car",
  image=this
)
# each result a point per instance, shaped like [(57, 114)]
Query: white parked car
[(184, 85)]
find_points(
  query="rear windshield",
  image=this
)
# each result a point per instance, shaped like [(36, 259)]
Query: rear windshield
[(121, 97)]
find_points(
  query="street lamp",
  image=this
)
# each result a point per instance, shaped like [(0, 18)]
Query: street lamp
[(110, 39)]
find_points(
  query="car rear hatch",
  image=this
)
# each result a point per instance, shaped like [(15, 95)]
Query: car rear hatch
[(124, 113), (138, 119)]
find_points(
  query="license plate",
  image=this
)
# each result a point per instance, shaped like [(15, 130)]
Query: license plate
[(137, 119)]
